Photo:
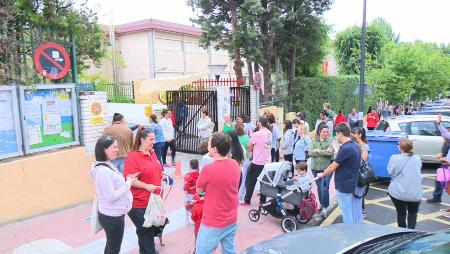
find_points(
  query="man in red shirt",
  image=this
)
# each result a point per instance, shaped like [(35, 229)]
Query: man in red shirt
[(219, 180)]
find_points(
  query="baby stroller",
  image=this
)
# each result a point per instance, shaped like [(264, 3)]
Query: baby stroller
[(276, 185)]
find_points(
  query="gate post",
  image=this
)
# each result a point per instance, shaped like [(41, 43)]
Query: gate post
[(254, 110)]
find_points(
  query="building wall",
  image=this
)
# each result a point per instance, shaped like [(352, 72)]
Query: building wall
[(43, 183), (134, 48)]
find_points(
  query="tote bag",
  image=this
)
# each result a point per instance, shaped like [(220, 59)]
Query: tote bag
[(155, 214), (95, 225)]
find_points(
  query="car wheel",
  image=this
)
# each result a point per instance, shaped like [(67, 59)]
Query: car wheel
[(254, 215), (289, 224)]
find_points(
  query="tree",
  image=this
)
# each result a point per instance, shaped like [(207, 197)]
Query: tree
[(61, 17), (348, 46)]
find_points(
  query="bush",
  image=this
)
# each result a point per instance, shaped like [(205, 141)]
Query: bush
[(309, 94)]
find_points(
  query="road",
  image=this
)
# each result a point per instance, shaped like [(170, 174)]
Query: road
[(380, 209)]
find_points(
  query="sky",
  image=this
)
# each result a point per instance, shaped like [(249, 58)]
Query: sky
[(426, 20)]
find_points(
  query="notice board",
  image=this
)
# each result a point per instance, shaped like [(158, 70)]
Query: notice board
[(10, 132), (50, 117)]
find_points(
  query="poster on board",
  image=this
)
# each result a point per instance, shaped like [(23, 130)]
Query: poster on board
[(8, 133), (49, 118)]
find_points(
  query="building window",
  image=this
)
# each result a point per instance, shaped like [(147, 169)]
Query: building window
[(194, 47), (168, 44)]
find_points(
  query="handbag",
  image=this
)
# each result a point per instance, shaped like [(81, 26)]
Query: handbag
[(95, 224), (366, 174), (443, 176)]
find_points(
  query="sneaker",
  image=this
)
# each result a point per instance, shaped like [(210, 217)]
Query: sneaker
[(433, 201), (323, 213), (245, 204), (364, 215), (447, 210), (447, 215), (166, 166)]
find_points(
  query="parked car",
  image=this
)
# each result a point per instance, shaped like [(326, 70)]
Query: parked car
[(444, 112), (355, 238), (422, 130)]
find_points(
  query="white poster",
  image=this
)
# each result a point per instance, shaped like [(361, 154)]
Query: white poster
[(33, 113), (34, 134), (65, 107), (52, 124), (6, 116), (223, 104)]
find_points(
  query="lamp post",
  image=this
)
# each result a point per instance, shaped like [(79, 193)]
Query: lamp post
[(363, 63), (217, 70)]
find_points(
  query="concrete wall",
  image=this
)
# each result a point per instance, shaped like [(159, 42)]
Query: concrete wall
[(134, 49), (43, 183)]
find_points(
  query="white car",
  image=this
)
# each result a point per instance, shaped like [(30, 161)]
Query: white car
[(423, 131)]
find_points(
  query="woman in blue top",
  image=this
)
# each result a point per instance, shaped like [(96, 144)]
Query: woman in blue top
[(301, 144), (359, 136), (160, 141), (287, 147)]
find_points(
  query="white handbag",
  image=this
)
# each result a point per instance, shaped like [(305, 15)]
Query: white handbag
[(95, 224), (155, 214)]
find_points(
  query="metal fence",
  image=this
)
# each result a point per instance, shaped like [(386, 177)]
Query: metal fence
[(239, 101), (122, 92)]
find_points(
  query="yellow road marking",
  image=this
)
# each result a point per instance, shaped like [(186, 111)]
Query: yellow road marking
[(331, 218), (441, 221)]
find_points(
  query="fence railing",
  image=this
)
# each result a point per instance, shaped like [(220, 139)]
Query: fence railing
[(122, 92)]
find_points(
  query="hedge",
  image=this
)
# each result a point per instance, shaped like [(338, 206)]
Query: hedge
[(309, 94)]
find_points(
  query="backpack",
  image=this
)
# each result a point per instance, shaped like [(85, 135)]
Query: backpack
[(308, 207)]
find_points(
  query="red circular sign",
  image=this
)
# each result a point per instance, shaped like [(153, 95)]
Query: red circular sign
[(51, 60)]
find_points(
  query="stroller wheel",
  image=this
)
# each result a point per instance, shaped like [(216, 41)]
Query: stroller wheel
[(300, 219), (263, 210), (289, 223), (254, 215)]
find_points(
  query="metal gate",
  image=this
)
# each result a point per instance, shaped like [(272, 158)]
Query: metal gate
[(239, 101), (187, 107)]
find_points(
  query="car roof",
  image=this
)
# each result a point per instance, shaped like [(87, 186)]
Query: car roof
[(412, 118)]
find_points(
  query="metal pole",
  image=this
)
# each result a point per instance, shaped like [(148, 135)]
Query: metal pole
[(112, 41), (363, 60)]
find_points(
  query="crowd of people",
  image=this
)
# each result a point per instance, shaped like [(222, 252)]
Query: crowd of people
[(127, 170)]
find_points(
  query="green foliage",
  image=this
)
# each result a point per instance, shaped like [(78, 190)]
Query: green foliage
[(92, 79), (387, 85), (309, 94)]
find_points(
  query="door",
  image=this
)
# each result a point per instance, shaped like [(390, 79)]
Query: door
[(426, 139)]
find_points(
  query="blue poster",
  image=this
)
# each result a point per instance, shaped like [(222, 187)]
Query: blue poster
[(8, 137)]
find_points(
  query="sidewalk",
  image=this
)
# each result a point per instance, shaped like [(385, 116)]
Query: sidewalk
[(68, 231)]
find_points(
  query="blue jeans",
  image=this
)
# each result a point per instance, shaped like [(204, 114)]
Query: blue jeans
[(208, 239), (158, 147), (119, 163), (323, 188), (437, 193), (345, 204)]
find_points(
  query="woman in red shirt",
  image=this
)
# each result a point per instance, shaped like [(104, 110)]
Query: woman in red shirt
[(340, 118), (372, 120), (143, 160)]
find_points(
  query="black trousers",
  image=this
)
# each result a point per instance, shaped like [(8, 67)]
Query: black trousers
[(402, 207), (253, 172), (114, 227), (170, 144), (275, 153), (289, 157), (145, 235)]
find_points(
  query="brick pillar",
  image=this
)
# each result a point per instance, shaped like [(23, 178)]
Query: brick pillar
[(93, 118)]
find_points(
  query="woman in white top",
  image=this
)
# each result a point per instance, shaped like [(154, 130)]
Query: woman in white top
[(169, 136), (205, 126)]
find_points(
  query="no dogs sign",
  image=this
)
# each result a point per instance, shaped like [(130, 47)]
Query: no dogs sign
[(51, 60)]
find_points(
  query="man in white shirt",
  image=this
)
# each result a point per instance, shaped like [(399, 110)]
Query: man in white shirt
[(169, 136)]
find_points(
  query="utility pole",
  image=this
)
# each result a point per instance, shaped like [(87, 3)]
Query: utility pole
[(363, 62), (112, 41)]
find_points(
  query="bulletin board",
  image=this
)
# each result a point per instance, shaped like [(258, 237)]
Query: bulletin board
[(10, 131), (50, 117)]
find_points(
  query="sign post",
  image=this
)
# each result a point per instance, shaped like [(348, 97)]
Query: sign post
[(51, 61)]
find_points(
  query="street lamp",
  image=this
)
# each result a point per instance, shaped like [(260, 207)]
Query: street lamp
[(217, 70), (363, 62)]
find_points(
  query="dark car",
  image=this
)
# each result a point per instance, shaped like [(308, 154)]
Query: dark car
[(355, 238)]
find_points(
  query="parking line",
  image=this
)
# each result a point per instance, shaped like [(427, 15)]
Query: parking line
[(372, 201), (441, 221), (331, 218), (384, 205)]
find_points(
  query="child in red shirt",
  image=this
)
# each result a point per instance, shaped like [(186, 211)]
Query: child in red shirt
[(197, 211), (190, 182)]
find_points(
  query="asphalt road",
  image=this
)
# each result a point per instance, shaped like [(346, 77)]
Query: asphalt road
[(380, 209)]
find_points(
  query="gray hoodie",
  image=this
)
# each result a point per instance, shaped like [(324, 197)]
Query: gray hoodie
[(113, 194), (406, 177)]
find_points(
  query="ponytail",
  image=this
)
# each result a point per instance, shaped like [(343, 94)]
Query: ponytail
[(141, 133)]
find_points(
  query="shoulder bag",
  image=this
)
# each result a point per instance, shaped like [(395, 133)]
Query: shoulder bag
[(366, 174)]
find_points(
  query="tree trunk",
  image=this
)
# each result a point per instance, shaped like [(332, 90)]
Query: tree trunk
[(291, 69), (250, 72), (236, 55)]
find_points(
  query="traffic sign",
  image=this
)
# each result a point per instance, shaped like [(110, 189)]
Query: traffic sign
[(51, 60)]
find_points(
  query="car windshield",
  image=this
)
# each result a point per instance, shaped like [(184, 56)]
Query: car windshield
[(407, 242)]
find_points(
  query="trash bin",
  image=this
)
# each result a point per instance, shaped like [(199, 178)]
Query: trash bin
[(382, 146)]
